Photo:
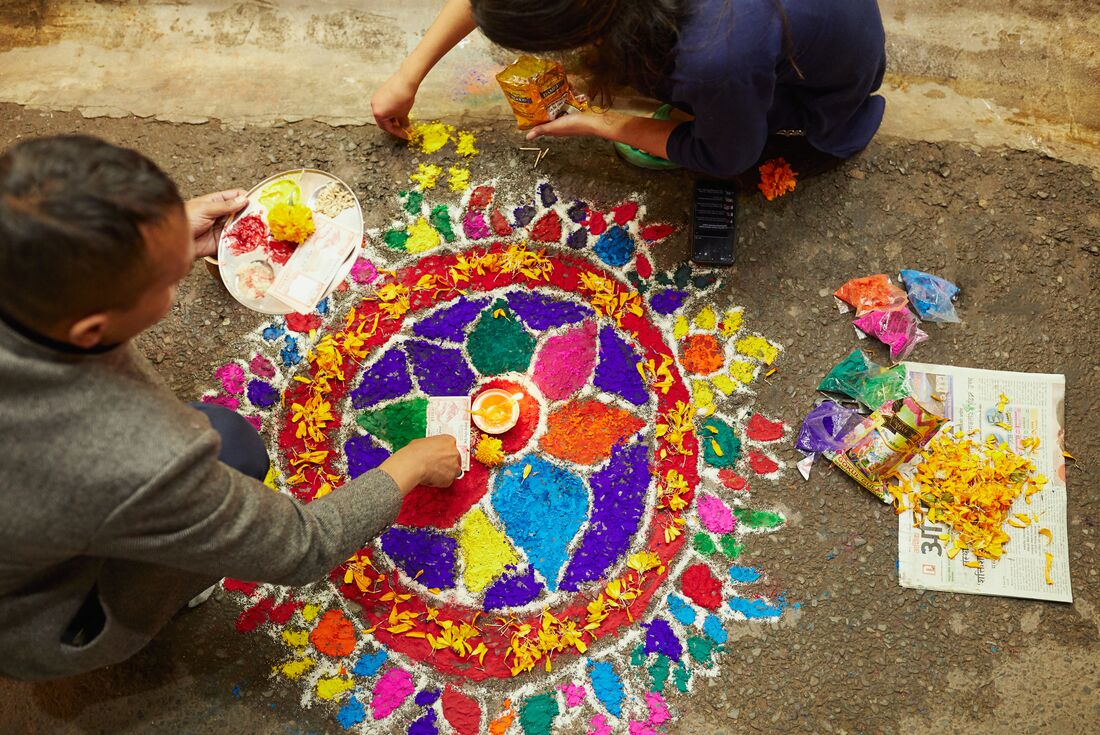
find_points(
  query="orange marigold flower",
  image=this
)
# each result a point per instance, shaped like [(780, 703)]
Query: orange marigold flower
[(776, 178)]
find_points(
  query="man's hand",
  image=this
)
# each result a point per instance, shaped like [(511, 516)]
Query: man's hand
[(434, 461), (204, 212), (391, 104)]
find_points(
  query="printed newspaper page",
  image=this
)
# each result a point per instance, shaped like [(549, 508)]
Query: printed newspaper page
[(1036, 408)]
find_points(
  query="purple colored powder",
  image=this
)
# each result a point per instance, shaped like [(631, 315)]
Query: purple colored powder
[(659, 638), (387, 378), (450, 324), (440, 371), (617, 370), (363, 455), (618, 502), (577, 239), (513, 591), (541, 312), (426, 697), (524, 215), (547, 195), (425, 725), (578, 211), (261, 394), (667, 301), (423, 551)]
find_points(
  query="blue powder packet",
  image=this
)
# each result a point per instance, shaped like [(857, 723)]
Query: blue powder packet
[(931, 296)]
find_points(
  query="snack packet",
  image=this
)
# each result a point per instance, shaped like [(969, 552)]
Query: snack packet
[(871, 293), (884, 441), (872, 385), (931, 296), (538, 91), (898, 329)]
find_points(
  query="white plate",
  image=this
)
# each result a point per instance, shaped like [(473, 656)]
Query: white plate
[(310, 182)]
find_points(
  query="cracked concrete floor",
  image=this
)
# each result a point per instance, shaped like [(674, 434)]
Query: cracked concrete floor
[(862, 655)]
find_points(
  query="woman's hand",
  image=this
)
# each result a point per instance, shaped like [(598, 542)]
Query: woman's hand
[(643, 133), (391, 104), (566, 126), (205, 211), (434, 461)]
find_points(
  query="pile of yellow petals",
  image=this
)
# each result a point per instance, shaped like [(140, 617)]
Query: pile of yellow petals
[(290, 222), (670, 498), (970, 487), (676, 426), (606, 301), (657, 376), (532, 263), (393, 298)]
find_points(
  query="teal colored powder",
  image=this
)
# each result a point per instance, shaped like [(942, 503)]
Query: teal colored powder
[(703, 543), (658, 673), (440, 219), (681, 677), (700, 649), (398, 423), (731, 547), (396, 239), (536, 717), (758, 518), (500, 344), (607, 685), (727, 441), (413, 201), (638, 656)]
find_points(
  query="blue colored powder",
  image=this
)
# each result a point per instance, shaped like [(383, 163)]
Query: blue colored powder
[(513, 591), (387, 378), (289, 354), (425, 725), (681, 610), (424, 554), (615, 247), (744, 574), (541, 312), (369, 664), (753, 609), (261, 394), (450, 323), (667, 301), (322, 306), (712, 626), (363, 455), (351, 714), (607, 685), (273, 332), (542, 513), (440, 371), (426, 698)]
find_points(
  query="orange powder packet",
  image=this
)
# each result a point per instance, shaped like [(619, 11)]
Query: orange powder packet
[(538, 91)]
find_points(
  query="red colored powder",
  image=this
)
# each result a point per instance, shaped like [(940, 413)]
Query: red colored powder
[(249, 233), (255, 616), (624, 212), (303, 323), (761, 464), (481, 197), (282, 613), (585, 431), (500, 224), (644, 267), (653, 233), (702, 354), (732, 480), (548, 228), (334, 634), (699, 584), (279, 250), (595, 223), (236, 585), (761, 430), (441, 508), (461, 711)]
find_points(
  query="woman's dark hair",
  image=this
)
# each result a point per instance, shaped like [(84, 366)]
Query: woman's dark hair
[(623, 42), (71, 212)]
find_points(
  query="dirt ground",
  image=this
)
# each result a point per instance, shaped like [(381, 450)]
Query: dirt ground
[(1020, 233)]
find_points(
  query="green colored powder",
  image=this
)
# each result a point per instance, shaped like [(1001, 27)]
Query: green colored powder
[(440, 219), (396, 239), (536, 717), (700, 649), (499, 343), (731, 547), (413, 201), (658, 672), (638, 655), (704, 544), (717, 431), (681, 676), (758, 518), (398, 423)]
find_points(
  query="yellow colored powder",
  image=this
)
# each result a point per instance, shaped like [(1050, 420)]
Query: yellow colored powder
[(485, 549), (465, 145), (460, 178), (758, 348), (681, 329), (742, 371), (309, 612), (295, 669), (430, 137), (296, 638), (724, 384), (701, 394), (422, 236), (731, 322), (426, 176), (272, 473), (706, 319), (334, 687)]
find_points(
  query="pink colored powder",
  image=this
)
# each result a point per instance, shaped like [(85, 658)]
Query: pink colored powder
[(599, 726), (574, 694), (716, 516), (256, 421), (224, 401), (565, 362), (262, 367), (641, 728), (391, 691), (232, 377), (475, 226), (363, 271), (658, 710)]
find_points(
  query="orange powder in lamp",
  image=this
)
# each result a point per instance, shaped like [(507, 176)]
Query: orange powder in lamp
[(495, 411)]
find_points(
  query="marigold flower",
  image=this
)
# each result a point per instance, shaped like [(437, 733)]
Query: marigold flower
[(776, 178), (291, 222)]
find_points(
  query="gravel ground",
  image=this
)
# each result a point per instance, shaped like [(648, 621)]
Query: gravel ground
[(1021, 235)]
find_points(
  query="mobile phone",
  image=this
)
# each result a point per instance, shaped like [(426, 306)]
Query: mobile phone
[(713, 223)]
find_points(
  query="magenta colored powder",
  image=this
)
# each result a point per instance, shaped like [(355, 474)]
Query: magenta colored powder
[(262, 367), (363, 271), (232, 377), (390, 692), (574, 694), (565, 362), (715, 515), (658, 710), (599, 726), (256, 421), (475, 226), (224, 401)]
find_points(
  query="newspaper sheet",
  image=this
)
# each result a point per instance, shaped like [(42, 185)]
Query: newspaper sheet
[(1036, 408)]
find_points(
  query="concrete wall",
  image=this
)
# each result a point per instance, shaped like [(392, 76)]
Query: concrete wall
[(1020, 72)]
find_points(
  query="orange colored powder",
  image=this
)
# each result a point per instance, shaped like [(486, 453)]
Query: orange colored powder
[(702, 354), (334, 634)]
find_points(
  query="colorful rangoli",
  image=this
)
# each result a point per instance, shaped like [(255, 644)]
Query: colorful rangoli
[(590, 562)]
